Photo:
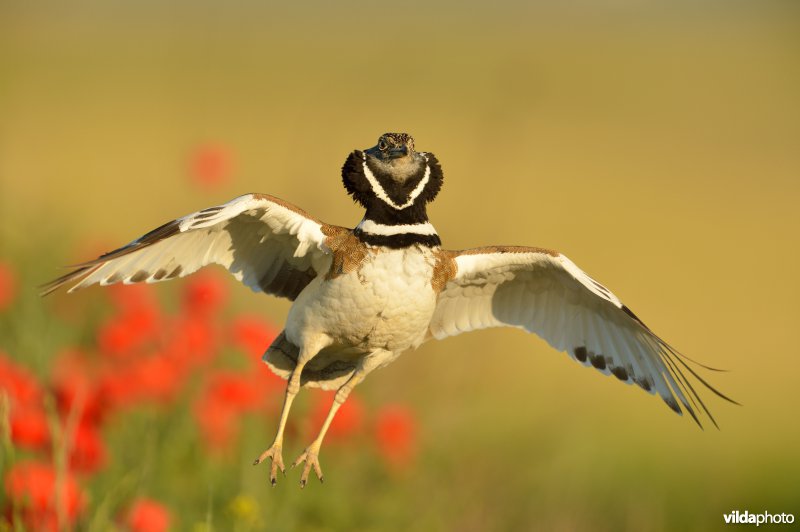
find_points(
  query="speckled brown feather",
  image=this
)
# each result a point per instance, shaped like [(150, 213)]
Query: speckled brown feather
[(444, 269), (347, 250)]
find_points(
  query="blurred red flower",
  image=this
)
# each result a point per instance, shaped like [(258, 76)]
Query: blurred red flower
[(8, 285), (192, 341), (218, 423), (204, 294), (395, 432), (152, 378), (128, 331), (225, 397), (132, 297), (29, 427), (19, 383), (348, 420), (31, 486), (210, 164), (157, 378), (147, 515), (117, 388), (236, 390), (252, 334), (74, 383), (88, 452)]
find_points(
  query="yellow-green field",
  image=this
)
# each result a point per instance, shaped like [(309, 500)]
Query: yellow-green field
[(657, 144)]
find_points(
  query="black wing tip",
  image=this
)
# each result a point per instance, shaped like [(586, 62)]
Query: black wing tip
[(638, 320), (682, 386), (161, 232), (634, 317), (694, 416), (49, 287), (45, 289), (671, 354), (701, 379), (673, 405), (677, 353)]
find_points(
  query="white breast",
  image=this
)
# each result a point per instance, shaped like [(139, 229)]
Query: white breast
[(386, 304)]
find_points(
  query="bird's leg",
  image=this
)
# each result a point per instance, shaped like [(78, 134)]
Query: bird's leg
[(311, 455), (292, 388), (275, 452)]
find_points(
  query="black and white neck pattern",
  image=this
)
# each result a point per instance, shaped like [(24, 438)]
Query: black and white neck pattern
[(398, 235), (395, 201), (388, 199)]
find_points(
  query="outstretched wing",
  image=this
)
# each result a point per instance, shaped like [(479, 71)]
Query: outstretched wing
[(268, 244), (544, 292)]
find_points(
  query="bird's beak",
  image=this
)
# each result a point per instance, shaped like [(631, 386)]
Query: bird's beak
[(396, 153)]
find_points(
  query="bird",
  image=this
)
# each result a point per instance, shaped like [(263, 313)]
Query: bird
[(363, 296)]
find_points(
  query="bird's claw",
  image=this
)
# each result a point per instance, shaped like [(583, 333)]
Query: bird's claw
[(275, 453), (311, 459)]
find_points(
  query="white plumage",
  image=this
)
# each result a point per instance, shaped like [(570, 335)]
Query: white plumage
[(544, 292), (257, 237)]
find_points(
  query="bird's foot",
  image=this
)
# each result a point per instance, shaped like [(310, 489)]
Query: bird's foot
[(311, 458), (275, 453)]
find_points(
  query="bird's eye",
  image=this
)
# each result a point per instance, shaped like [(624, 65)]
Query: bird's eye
[(382, 145)]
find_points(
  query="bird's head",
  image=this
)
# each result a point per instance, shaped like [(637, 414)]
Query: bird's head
[(395, 156), (392, 178)]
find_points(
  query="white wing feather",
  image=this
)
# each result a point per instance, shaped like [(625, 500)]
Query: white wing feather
[(544, 292), (266, 243)]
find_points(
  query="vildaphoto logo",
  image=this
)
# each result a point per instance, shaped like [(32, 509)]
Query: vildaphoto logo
[(746, 518)]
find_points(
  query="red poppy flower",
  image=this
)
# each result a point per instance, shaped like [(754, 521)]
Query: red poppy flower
[(269, 382), (88, 452), (220, 405), (19, 383), (149, 378), (29, 427), (8, 286), (131, 297), (73, 382), (192, 341), (218, 423), (395, 432), (117, 388), (128, 331), (210, 165), (135, 323), (31, 486), (348, 420), (147, 515), (252, 334), (235, 389), (197, 335), (157, 378), (204, 293)]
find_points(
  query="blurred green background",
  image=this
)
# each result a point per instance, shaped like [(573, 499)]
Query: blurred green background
[(655, 143)]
